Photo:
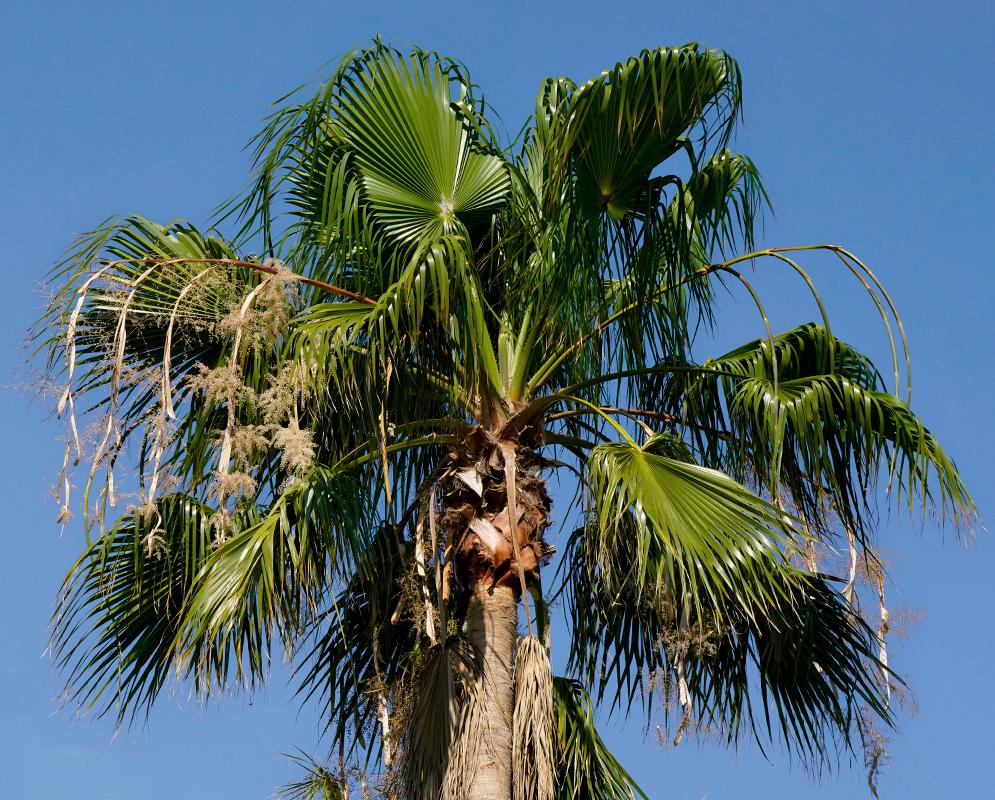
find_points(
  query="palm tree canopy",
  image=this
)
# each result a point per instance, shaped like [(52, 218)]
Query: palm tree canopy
[(325, 436)]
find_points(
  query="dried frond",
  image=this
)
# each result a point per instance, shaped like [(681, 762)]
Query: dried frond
[(464, 752), (436, 723), (431, 729), (534, 727)]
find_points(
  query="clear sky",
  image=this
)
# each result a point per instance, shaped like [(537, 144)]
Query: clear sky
[(871, 123)]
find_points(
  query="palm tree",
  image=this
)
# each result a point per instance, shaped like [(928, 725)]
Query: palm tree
[(341, 447)]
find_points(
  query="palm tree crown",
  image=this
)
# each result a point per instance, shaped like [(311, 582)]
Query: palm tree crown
[(342, 445)]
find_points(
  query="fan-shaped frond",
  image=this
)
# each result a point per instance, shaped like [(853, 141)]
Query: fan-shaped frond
[(123, 603), (695, 528), (273, 577), (812, 420), (796, 671), (628, 120)]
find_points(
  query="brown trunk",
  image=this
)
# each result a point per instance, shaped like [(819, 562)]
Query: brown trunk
[(492, 627), (486, 554)]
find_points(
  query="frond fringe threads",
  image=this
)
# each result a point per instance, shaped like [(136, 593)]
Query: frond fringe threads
[(534, 725)]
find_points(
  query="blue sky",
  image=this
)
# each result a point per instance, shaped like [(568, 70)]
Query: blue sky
[(872, 125)]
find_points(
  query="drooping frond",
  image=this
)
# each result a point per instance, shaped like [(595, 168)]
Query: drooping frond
[(585, 767), (796, 671), (433, 725), (812, 664), (123, 604), (362, 645), (273, 577), (812, 420), (533, 751)]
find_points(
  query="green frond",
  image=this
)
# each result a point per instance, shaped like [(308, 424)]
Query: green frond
[(358, 651), (318, 784), (719, 207), (812, 663), (423, 169), (434, 311), (628, 120), (585, 767), (796, 671), (122, 604), (813, 421), (273, 577), (699, 536), (388, 154)]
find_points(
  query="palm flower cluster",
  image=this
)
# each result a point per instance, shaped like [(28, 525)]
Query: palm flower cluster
[(340, 448)]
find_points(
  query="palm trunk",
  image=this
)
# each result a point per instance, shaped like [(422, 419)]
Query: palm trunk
[(487, 563), (492, 626)]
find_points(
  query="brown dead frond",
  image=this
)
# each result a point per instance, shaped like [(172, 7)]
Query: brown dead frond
[(461, 770), (534, 736), (430, 729)]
